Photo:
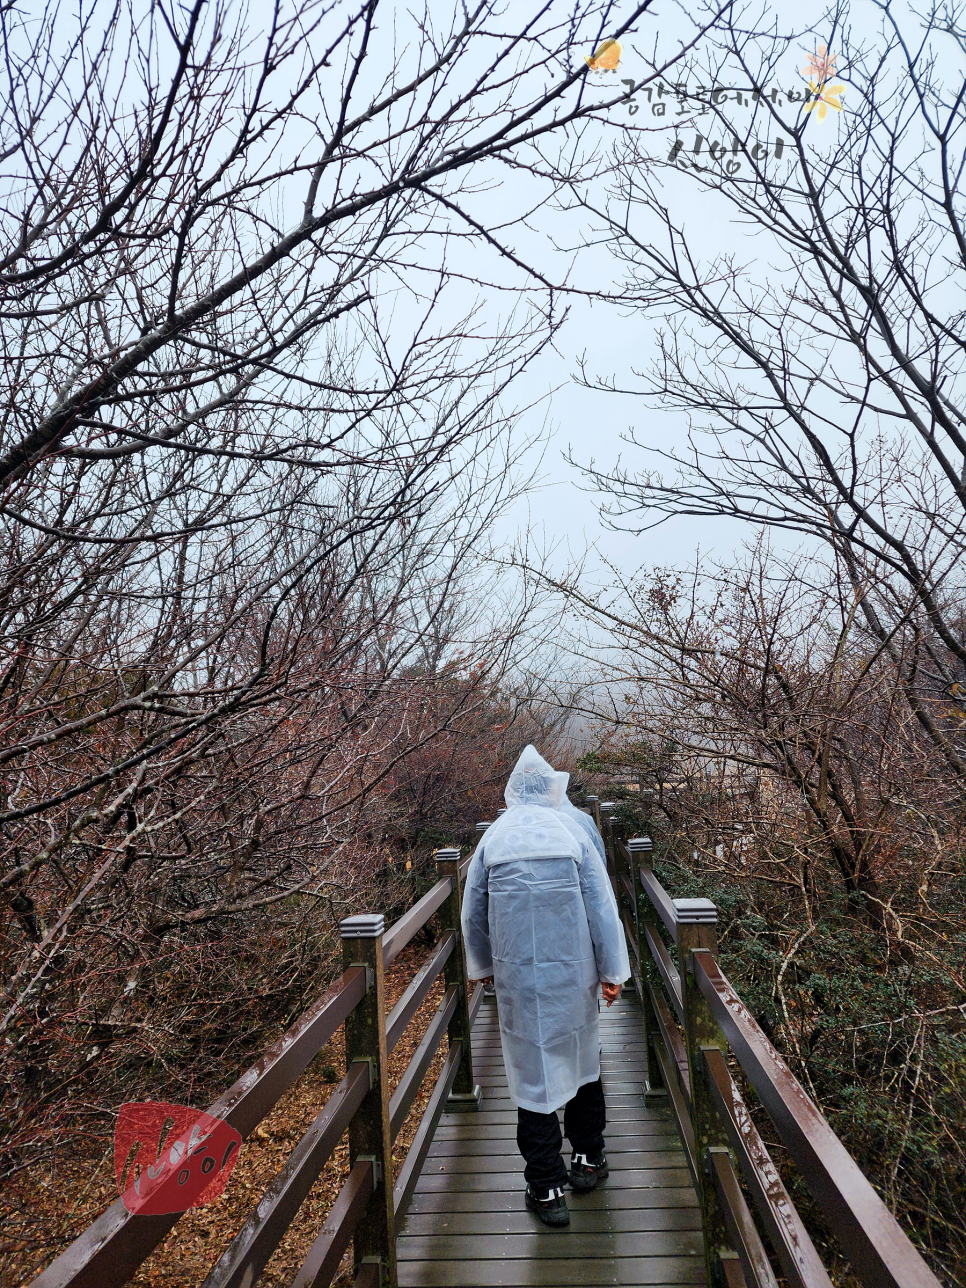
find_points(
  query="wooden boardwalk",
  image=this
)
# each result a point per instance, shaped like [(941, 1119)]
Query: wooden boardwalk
[(467, 1225)]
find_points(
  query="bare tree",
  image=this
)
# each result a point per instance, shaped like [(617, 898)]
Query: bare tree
[(821, 367), (746, 720), (253, 446), (795, 722)]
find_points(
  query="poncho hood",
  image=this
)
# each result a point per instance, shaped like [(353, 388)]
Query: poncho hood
[(533, 782), (532, 827)]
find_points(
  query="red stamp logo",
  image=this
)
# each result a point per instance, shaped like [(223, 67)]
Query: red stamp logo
[(168, 1158)]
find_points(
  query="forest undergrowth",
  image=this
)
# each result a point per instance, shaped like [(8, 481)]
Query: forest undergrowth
[(875, 1031)]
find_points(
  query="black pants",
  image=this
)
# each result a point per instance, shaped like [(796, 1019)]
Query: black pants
[(539, 1139)]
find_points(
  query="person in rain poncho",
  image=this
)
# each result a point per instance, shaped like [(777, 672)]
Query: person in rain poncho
[(584, 821), (540, 918)]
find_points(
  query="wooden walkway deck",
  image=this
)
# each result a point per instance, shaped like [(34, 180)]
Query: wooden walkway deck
[(467, 1226)]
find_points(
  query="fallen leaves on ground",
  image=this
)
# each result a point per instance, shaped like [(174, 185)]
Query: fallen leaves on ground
[(47, 1208)]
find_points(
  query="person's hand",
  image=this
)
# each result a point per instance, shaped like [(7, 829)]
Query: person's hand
[(610, 992), (486, 979)]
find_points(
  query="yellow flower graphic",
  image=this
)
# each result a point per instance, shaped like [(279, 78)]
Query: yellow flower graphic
[(824, 97), (606, 58)]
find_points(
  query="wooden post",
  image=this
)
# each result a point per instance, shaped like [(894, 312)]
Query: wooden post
[(697, 932), (465, 1094), (607, 818), (594, 803), (370, 1135), (641, 850)]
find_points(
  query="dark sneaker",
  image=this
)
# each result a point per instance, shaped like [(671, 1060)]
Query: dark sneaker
[(585, 1172), (551, 1209)]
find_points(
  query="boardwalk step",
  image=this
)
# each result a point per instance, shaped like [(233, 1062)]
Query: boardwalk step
[(475, 1247), (644, 1178), (662, 1272), (511, 1200), (635, 1129), (582, 1221), (636, 1160), (467, 1226)]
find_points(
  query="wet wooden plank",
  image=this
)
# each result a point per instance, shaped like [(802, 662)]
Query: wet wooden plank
[(629, 1111), (489, 1061), (662, 1272), (497, 1099), (607, 1243), (652, 1138), (473, 1129), (467, 1225), (621, 1079), (501, 1140), (651, 1178), (622, 1151), (583, 1220), (642, 1160), (511, 1200)]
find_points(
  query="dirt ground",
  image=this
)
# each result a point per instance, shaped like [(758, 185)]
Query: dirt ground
[(32, 1210)]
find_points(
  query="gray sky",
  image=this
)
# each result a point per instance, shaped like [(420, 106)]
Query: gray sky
[(588, 424)]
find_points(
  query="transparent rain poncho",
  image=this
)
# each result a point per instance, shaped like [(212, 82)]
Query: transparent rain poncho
[(584, 821), (539, 915)]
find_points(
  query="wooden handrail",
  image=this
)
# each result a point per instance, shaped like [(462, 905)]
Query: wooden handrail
[(320, 1266), (631, 937), (402, 1013), (401, 932), (109, 1252), (257, 1091), (681, 1107), (716, 1117), (738, 1222), (368, 1276), (660, 901), (409, 1172), (881, 1253), (673, 1042), (476, 1002), (409, 1083), (801, 1264), (248, 1253), (666, 970)]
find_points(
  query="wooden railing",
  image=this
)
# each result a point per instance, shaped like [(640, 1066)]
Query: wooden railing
[(697, 1030), (110, 1251)]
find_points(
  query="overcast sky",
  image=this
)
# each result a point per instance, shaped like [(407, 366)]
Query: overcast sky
[(588, 424)]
